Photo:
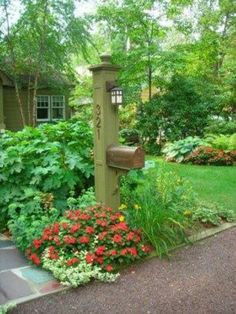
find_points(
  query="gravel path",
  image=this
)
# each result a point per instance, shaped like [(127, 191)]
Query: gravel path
[(197, 279)]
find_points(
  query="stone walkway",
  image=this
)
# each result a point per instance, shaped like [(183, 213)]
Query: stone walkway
[(20, 281)]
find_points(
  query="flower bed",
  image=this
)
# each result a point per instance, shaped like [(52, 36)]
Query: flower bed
[(87, 244), (210, 156)]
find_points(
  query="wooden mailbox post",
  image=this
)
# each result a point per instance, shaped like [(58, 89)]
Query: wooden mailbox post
[(111, 160)]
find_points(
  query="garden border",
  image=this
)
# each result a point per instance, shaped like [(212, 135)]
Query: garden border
[(192, 239)]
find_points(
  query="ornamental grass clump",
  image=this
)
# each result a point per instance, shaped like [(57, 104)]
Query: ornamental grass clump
[(86, 244), (158, 206)]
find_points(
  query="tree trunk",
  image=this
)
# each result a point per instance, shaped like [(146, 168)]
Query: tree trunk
[(34, 102)]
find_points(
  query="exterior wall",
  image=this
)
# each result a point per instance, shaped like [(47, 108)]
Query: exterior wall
[(2, 125), (11, 108)]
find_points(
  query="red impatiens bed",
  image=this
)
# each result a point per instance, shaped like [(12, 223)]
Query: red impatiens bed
[(100, 232)]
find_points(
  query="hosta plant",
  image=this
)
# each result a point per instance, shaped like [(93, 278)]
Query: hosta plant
[(87, 244), (178, 150)]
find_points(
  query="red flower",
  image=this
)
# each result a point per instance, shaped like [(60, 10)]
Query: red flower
[(56, 240), (120, 226), (102, 235), (52, 253), (117, 238), (84, 239), (102, 223), (37, 243), (137, 239), (46, 234), (146, 248), (113, 253), (100, 250), (35, 259), (75, 228), (89, 230), (109, 209), (99, 260), (56, 228), (130, 236), (109, 268), (124, 252), (72, 261), (69, 239), (133, 251), (64, 225), (84, 216), (89, 258)]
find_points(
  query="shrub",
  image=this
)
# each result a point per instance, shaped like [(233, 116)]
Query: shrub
[(209, 156), (85, 244), (130, 136), (221, 127), (179, 110), (178, 150), (222, 141), (50, 158), (156, 203)]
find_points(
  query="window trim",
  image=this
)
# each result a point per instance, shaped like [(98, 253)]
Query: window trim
[(50, 108), (61, 107), (49, 111)]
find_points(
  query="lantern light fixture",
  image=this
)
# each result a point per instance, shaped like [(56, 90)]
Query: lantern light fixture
[(116, 93)]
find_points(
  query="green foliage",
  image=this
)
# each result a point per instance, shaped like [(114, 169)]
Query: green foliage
[(180, 110), (212, 214), (224, 142), (86, 199), (156, 203), (4, 309), (29, 217), (130, 136), (178, 150), (221, 127), (50, 158)]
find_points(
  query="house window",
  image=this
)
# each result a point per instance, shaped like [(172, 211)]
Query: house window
[(50, 108), (58, 107), (43, 108)]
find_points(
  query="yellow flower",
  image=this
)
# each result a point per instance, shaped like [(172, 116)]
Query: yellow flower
[(187, 213), (136, 206), (122, 207), (122, 218)]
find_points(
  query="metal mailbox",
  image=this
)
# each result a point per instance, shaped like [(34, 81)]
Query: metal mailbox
[(125, 157)]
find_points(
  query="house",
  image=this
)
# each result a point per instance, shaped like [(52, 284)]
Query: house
[(52, 100)]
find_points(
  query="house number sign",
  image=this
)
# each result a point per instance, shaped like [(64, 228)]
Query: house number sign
[(98, 119)]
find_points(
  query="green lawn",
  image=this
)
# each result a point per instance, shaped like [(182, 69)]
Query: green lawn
[(212, 184)]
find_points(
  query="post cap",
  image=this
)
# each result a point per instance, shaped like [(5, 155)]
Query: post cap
[(106, 58)]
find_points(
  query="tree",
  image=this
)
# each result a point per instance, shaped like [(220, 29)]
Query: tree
[(180, 110), (42, 41)]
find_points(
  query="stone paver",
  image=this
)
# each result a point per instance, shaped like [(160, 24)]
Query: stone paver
[(19, 281), (11, 258), (13, 287)]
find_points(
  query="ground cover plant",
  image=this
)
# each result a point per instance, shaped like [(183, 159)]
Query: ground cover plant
[(87, 243), (53, 159)]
